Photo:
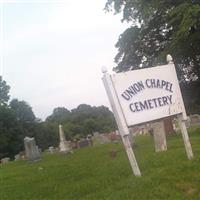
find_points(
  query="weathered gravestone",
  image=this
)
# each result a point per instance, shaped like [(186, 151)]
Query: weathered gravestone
[(65, 146), (31, 149), (159, 136), (5, 160), (74, 144), (51, 150), (195, 119), (96, 134), (83, 143), (100, 138), (114, 136), (17, 157)]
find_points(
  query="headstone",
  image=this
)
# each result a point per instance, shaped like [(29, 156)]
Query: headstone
[(159, 136), (83, 143), (195, 119), (31, 149), (168, 125), (114, 137), (74, 144), (104, 138), (100, 138), (5, 160), (17, 157), (51, 150), (65, 146), (96, 134), (22, 155)]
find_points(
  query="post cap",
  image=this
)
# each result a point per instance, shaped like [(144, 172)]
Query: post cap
[(104, 69), (169, 58)]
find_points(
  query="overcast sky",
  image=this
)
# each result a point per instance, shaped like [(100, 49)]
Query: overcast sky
[(53, 51)]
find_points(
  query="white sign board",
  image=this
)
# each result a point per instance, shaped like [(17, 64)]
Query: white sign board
[(148, 94)]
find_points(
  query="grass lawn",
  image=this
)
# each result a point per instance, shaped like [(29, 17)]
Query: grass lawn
[(92, 173)]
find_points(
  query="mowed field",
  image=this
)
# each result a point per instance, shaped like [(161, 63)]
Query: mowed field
[(98, 173)]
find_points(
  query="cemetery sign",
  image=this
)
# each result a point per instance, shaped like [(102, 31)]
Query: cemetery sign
[(145, 95), (148, 94)]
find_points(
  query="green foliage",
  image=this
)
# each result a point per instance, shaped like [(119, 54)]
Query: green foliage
[(83, 120), (4, 92), (159, 28), (92, 174), (23, 111), (11, 133), (17, 120), (46, 134), (59, 115)]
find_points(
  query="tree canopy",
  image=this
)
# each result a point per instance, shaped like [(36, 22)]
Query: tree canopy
[(158, 28), (23, 111), (83, 120), (4, 92)]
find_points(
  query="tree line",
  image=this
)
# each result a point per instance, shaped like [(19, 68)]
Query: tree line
[(17, 120)]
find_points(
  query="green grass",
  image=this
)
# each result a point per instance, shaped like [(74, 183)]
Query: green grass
[(92, 173)]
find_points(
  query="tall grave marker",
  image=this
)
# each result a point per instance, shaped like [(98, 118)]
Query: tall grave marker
[(145, 95), (31, 149), (64, 145)]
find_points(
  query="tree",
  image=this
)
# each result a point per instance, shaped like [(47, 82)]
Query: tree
[(159, 28), (23, 111), (17, 120), (59, 115), (83, 120), (4, 92), (46, 134), (11, 133)]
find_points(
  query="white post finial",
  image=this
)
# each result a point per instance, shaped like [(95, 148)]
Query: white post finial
[(169, 59), (104, 69)]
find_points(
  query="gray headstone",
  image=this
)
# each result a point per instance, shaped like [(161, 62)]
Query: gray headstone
[(65, 146), (51, 150), (104, 139), (195, 119), (17, 157), (159, 136), (31, 149), (96, 134), (83, 143), (5, 160)]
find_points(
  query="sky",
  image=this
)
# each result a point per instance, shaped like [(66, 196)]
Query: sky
[(52, 52)]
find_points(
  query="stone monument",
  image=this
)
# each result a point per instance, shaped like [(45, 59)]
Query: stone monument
[(64, 145), (159, 136), (31, 149)]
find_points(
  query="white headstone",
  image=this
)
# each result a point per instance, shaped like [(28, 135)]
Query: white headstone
[(64, 145), (31, 149)]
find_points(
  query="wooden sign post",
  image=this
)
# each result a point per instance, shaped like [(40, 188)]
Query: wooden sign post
[(185, 137), (121, 123)]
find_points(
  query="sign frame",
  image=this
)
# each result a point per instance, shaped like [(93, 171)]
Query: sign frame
[(121, 120)]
